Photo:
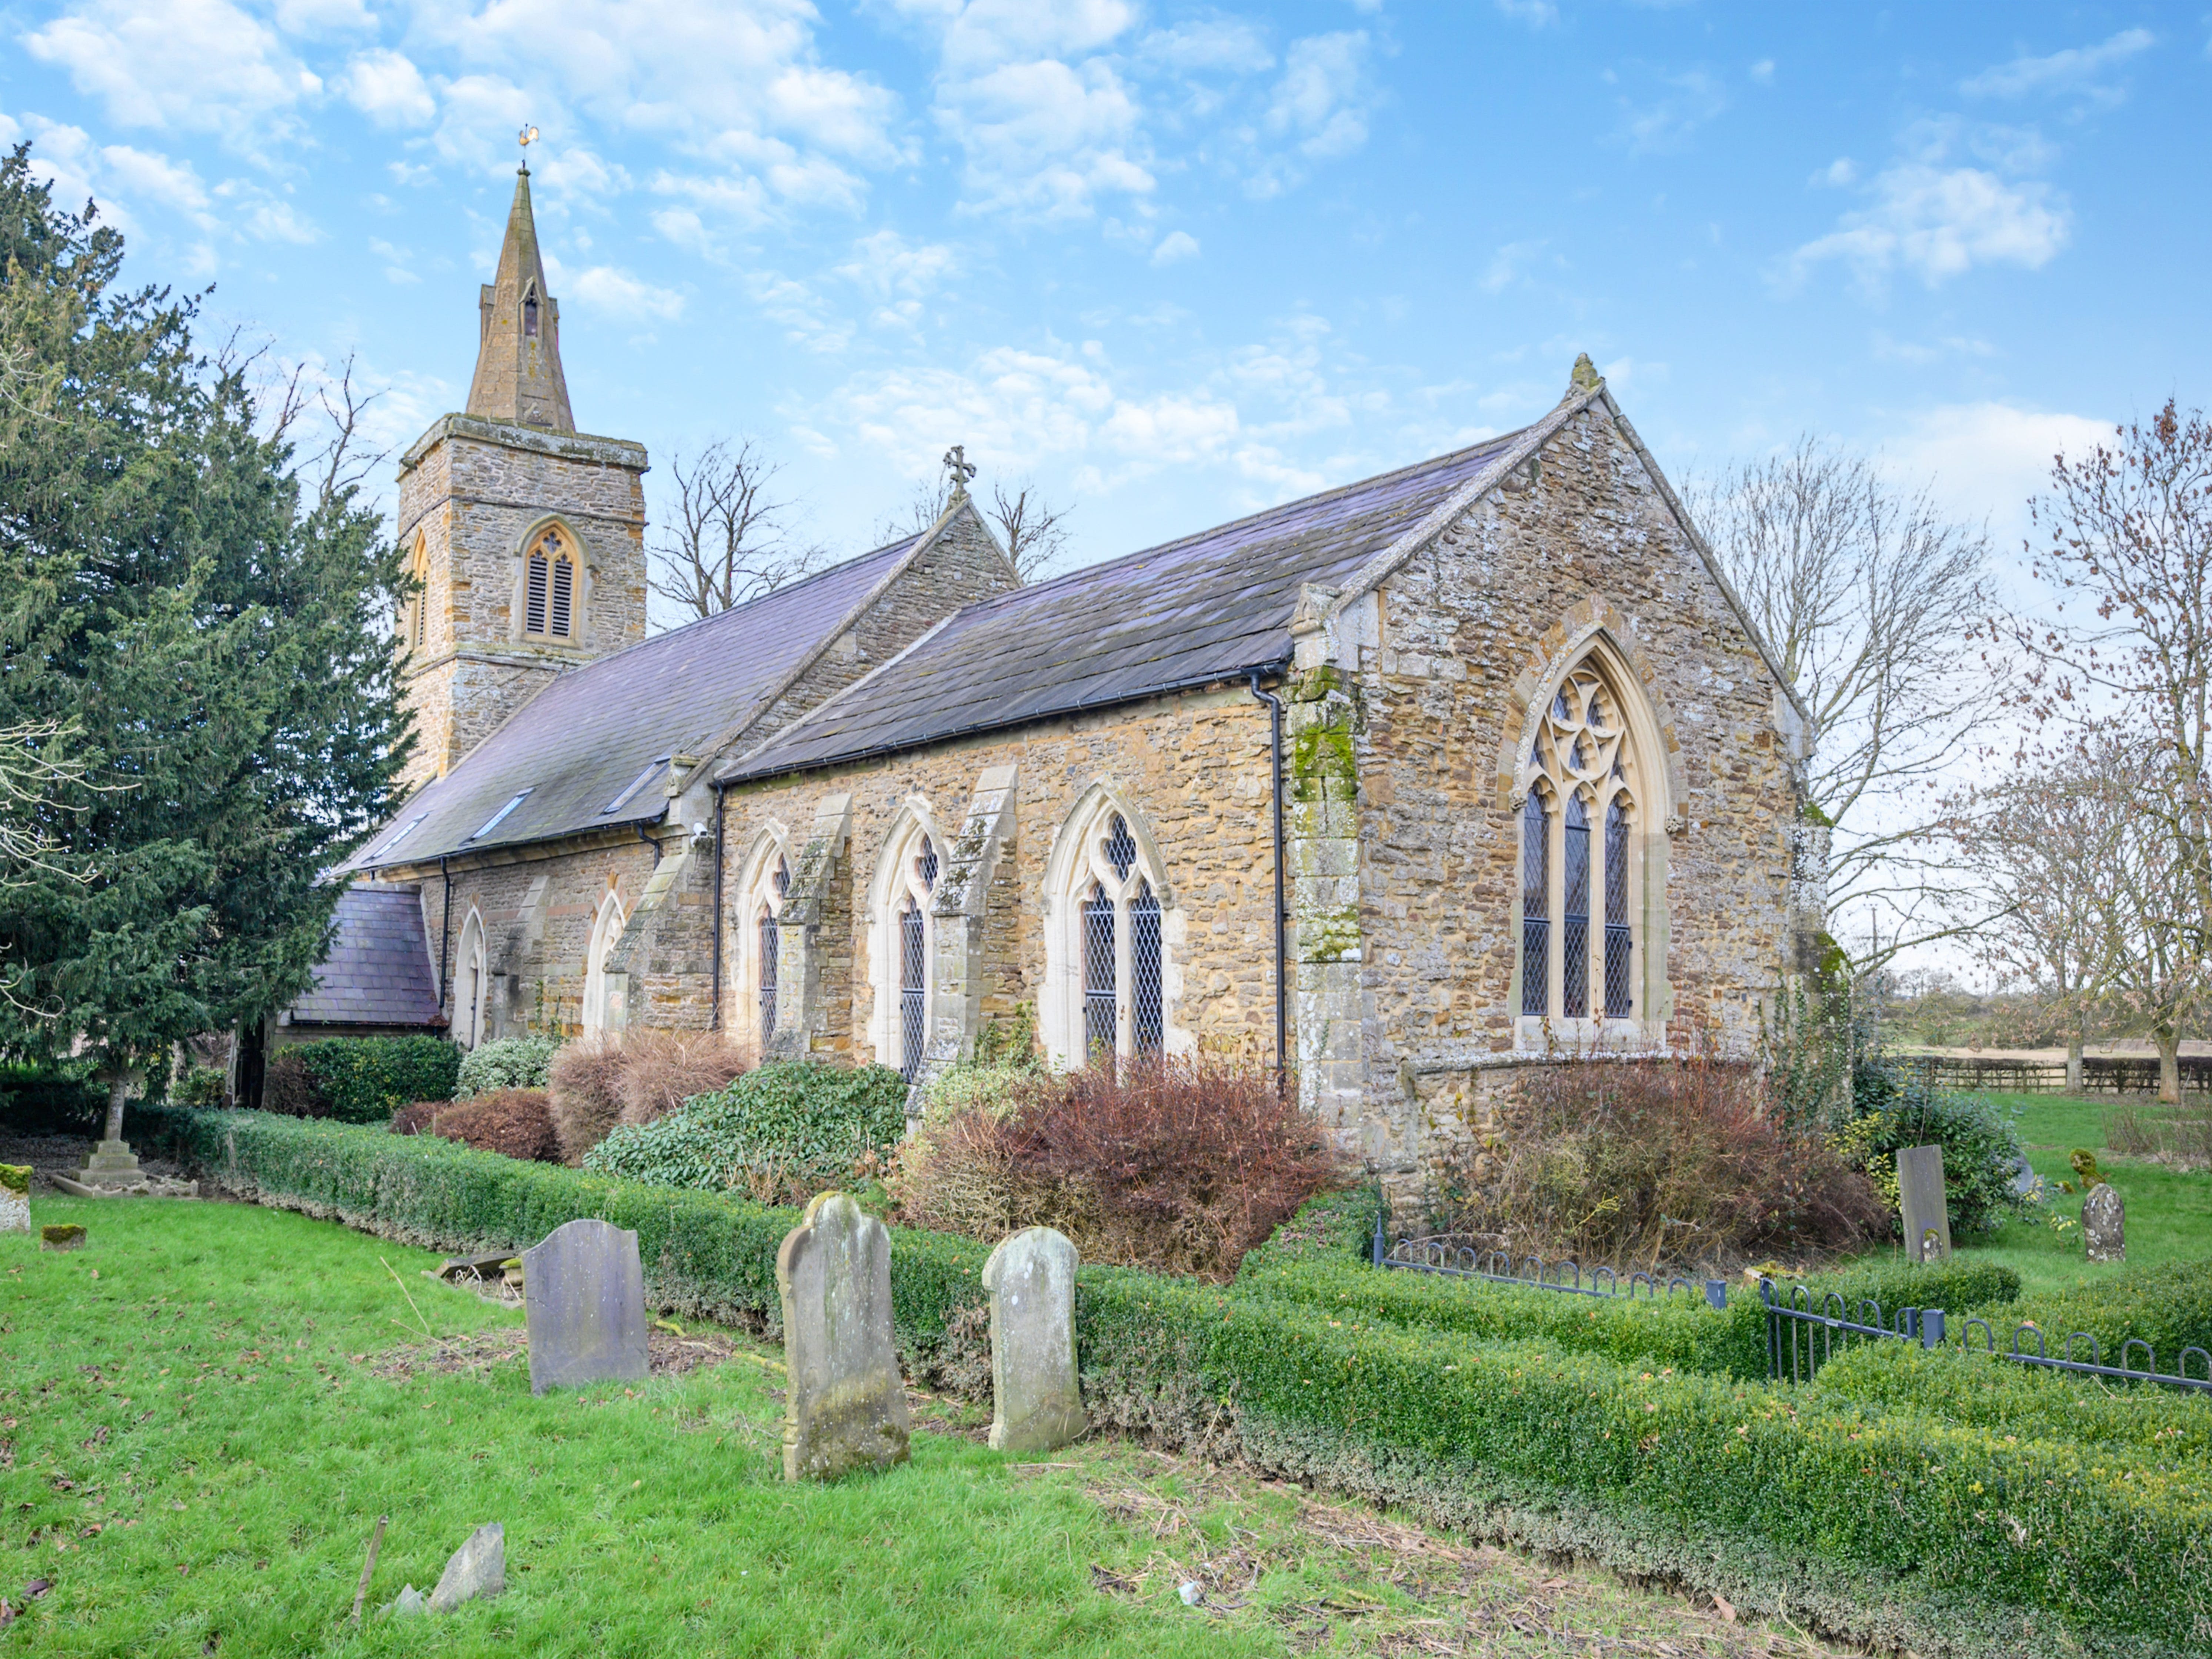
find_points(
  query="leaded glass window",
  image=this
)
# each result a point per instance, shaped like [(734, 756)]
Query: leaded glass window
[(1102, 1006), (776, 883), (1118, 948), (1579, 875), (916, 878)]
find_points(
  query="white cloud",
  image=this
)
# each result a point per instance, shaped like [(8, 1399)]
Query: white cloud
[(1508, 263), (1939, 223), (324, 17), (1319, 99), (2076, 69), (1763, 71), (1536, 13), (389, 90), (191, 65), (1176, 246), (608, 288), (885, 265), (1983, 460), (1686, 102), (1227, 44), (1047, 138), (1839, 172)]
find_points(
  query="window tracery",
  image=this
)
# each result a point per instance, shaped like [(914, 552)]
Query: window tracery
[(549, 588), (1114, 953), (1579, 844)]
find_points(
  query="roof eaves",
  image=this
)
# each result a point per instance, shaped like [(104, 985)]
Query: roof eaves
[(1706, 553), (1394, 558)]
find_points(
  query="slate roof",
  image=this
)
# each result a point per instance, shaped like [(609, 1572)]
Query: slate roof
[(584, 739), (1203, 609), (378, 970)]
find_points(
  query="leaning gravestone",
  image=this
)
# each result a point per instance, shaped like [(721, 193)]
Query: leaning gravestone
[(2105, 1224), (844, 1403), (1920, 1197), (15, 1198), (583, 1295), (1038, 1404)]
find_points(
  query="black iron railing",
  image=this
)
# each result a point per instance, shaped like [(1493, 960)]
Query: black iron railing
[(1442, 1255)]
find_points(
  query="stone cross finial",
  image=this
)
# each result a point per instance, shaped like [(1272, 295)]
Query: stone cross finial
[(957, 463)]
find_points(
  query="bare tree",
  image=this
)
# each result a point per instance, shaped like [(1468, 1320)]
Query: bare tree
[(2129, 650), (2048, 845), (36, 763), (725, 545), (1870, 598), (1033, 529)]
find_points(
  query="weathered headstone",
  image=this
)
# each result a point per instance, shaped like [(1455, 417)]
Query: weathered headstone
[(62, 1235), (583, 1297), (1920, 1198), (2105, 1224), (844, 1402), (2024, 1182), (15, 1198), (479, 1566), (1038, 1404)]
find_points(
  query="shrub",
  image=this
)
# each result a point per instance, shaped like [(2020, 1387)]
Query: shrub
[(2168, 1305), (415, 1118), (51, 1100), (585, 1085), (786, 1129), (358, 1079), (1175, 1165), (506, 1063), (513, 1122), (202, 1086), (662, 1070), (286, 1089), (1631, 1166), (1981, 1147)]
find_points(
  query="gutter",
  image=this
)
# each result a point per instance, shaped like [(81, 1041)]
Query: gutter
[(715, 1008), (1275, 779)]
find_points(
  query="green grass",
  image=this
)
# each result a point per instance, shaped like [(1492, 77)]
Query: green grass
[(2169, 1212), (202, 1411)]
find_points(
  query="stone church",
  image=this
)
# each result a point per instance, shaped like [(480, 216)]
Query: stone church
[(1475, 765)]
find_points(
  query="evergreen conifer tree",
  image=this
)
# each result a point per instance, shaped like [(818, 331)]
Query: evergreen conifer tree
[(205, 636)]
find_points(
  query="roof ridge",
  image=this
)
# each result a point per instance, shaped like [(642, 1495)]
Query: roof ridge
[(1335, 492)]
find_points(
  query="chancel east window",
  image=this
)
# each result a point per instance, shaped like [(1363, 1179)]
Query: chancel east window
[(549, 588), (1578, 846)]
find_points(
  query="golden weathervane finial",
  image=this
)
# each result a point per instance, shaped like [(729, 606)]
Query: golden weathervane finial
[(526, 138)]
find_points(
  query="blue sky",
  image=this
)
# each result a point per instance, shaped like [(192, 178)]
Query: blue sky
[(1176, 262)]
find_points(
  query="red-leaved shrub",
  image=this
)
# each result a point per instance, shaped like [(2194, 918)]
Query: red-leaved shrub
[(1639, 1164), (1173, 1165), (414, 1119), (633, 1076), (516, 1123)]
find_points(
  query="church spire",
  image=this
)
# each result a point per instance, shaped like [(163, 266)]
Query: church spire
[(518, 376)]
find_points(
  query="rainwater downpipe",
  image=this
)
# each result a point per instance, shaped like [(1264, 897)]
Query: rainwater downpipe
[(1275, 777), (715, 1008), (444, 929)]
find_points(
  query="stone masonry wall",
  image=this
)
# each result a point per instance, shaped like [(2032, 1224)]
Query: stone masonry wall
[(1461, 643)]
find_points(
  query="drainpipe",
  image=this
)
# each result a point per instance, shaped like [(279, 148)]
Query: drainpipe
[(646, 836), (444, 929), (715, 1013), (1275, 777)]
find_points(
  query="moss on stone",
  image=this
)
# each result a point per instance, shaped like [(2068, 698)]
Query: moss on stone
[(1331, 935), (15, 1178)]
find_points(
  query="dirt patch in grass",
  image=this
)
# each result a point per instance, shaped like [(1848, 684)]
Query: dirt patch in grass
[(668, 1353)]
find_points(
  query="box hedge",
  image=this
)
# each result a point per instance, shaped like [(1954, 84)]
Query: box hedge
[(1941, 1520), (2168, 1305), (367, 1080)]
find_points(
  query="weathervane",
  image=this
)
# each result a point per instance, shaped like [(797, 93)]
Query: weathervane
[(956, 463), (526, 138)]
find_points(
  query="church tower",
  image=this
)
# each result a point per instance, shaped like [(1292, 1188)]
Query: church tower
[(526, 537)]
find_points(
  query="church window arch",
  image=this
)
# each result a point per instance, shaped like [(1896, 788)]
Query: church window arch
[(418, 607), (1109, 972), (551, 588), (530, 312), (471, 984), (1588, 782), (607, 932), (902, 939), (758, 934)]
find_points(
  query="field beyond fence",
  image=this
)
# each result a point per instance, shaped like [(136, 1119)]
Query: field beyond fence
[(2100, 1074)]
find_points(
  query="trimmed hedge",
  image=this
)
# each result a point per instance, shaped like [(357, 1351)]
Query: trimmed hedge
[(50, 1100), (2168, 1306), (367, 1080), (1895, 1523)]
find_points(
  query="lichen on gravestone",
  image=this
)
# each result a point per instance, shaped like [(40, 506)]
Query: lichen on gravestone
[(844, 1401), (1037, 1401), (15, 1178), (2105, 1224), (62, 1235)]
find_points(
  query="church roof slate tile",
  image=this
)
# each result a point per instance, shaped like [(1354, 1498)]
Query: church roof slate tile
[(378, 971), (1205, 608), (581, 741)]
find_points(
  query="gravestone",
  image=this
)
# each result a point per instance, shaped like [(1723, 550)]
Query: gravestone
[(1037, 1402), (62, 1235), (15, 1198), (583, 1295), (844, 1403), (2105, 1224), (2024, 1182), (478, 1568), (1920, 1198)]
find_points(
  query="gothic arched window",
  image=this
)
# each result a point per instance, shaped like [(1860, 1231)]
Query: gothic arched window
[(418, 617), (1111, 967), (905, 942), (764, 909), (606, 933), (471, 985), (1579, 845), (549, 588)]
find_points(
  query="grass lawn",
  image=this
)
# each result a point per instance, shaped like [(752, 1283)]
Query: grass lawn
[(2169, 1212), (202, 1412)]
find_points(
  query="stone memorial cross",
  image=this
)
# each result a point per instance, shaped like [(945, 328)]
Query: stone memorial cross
[(1920, 1197), (583, 1295), (844, 1401), (1038, 1404), (2105, 1224)]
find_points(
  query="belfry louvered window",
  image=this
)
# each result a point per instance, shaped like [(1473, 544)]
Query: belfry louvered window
[(549, 588), (1119, 947), (776, 883), (920, 879), (1580, 879)]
